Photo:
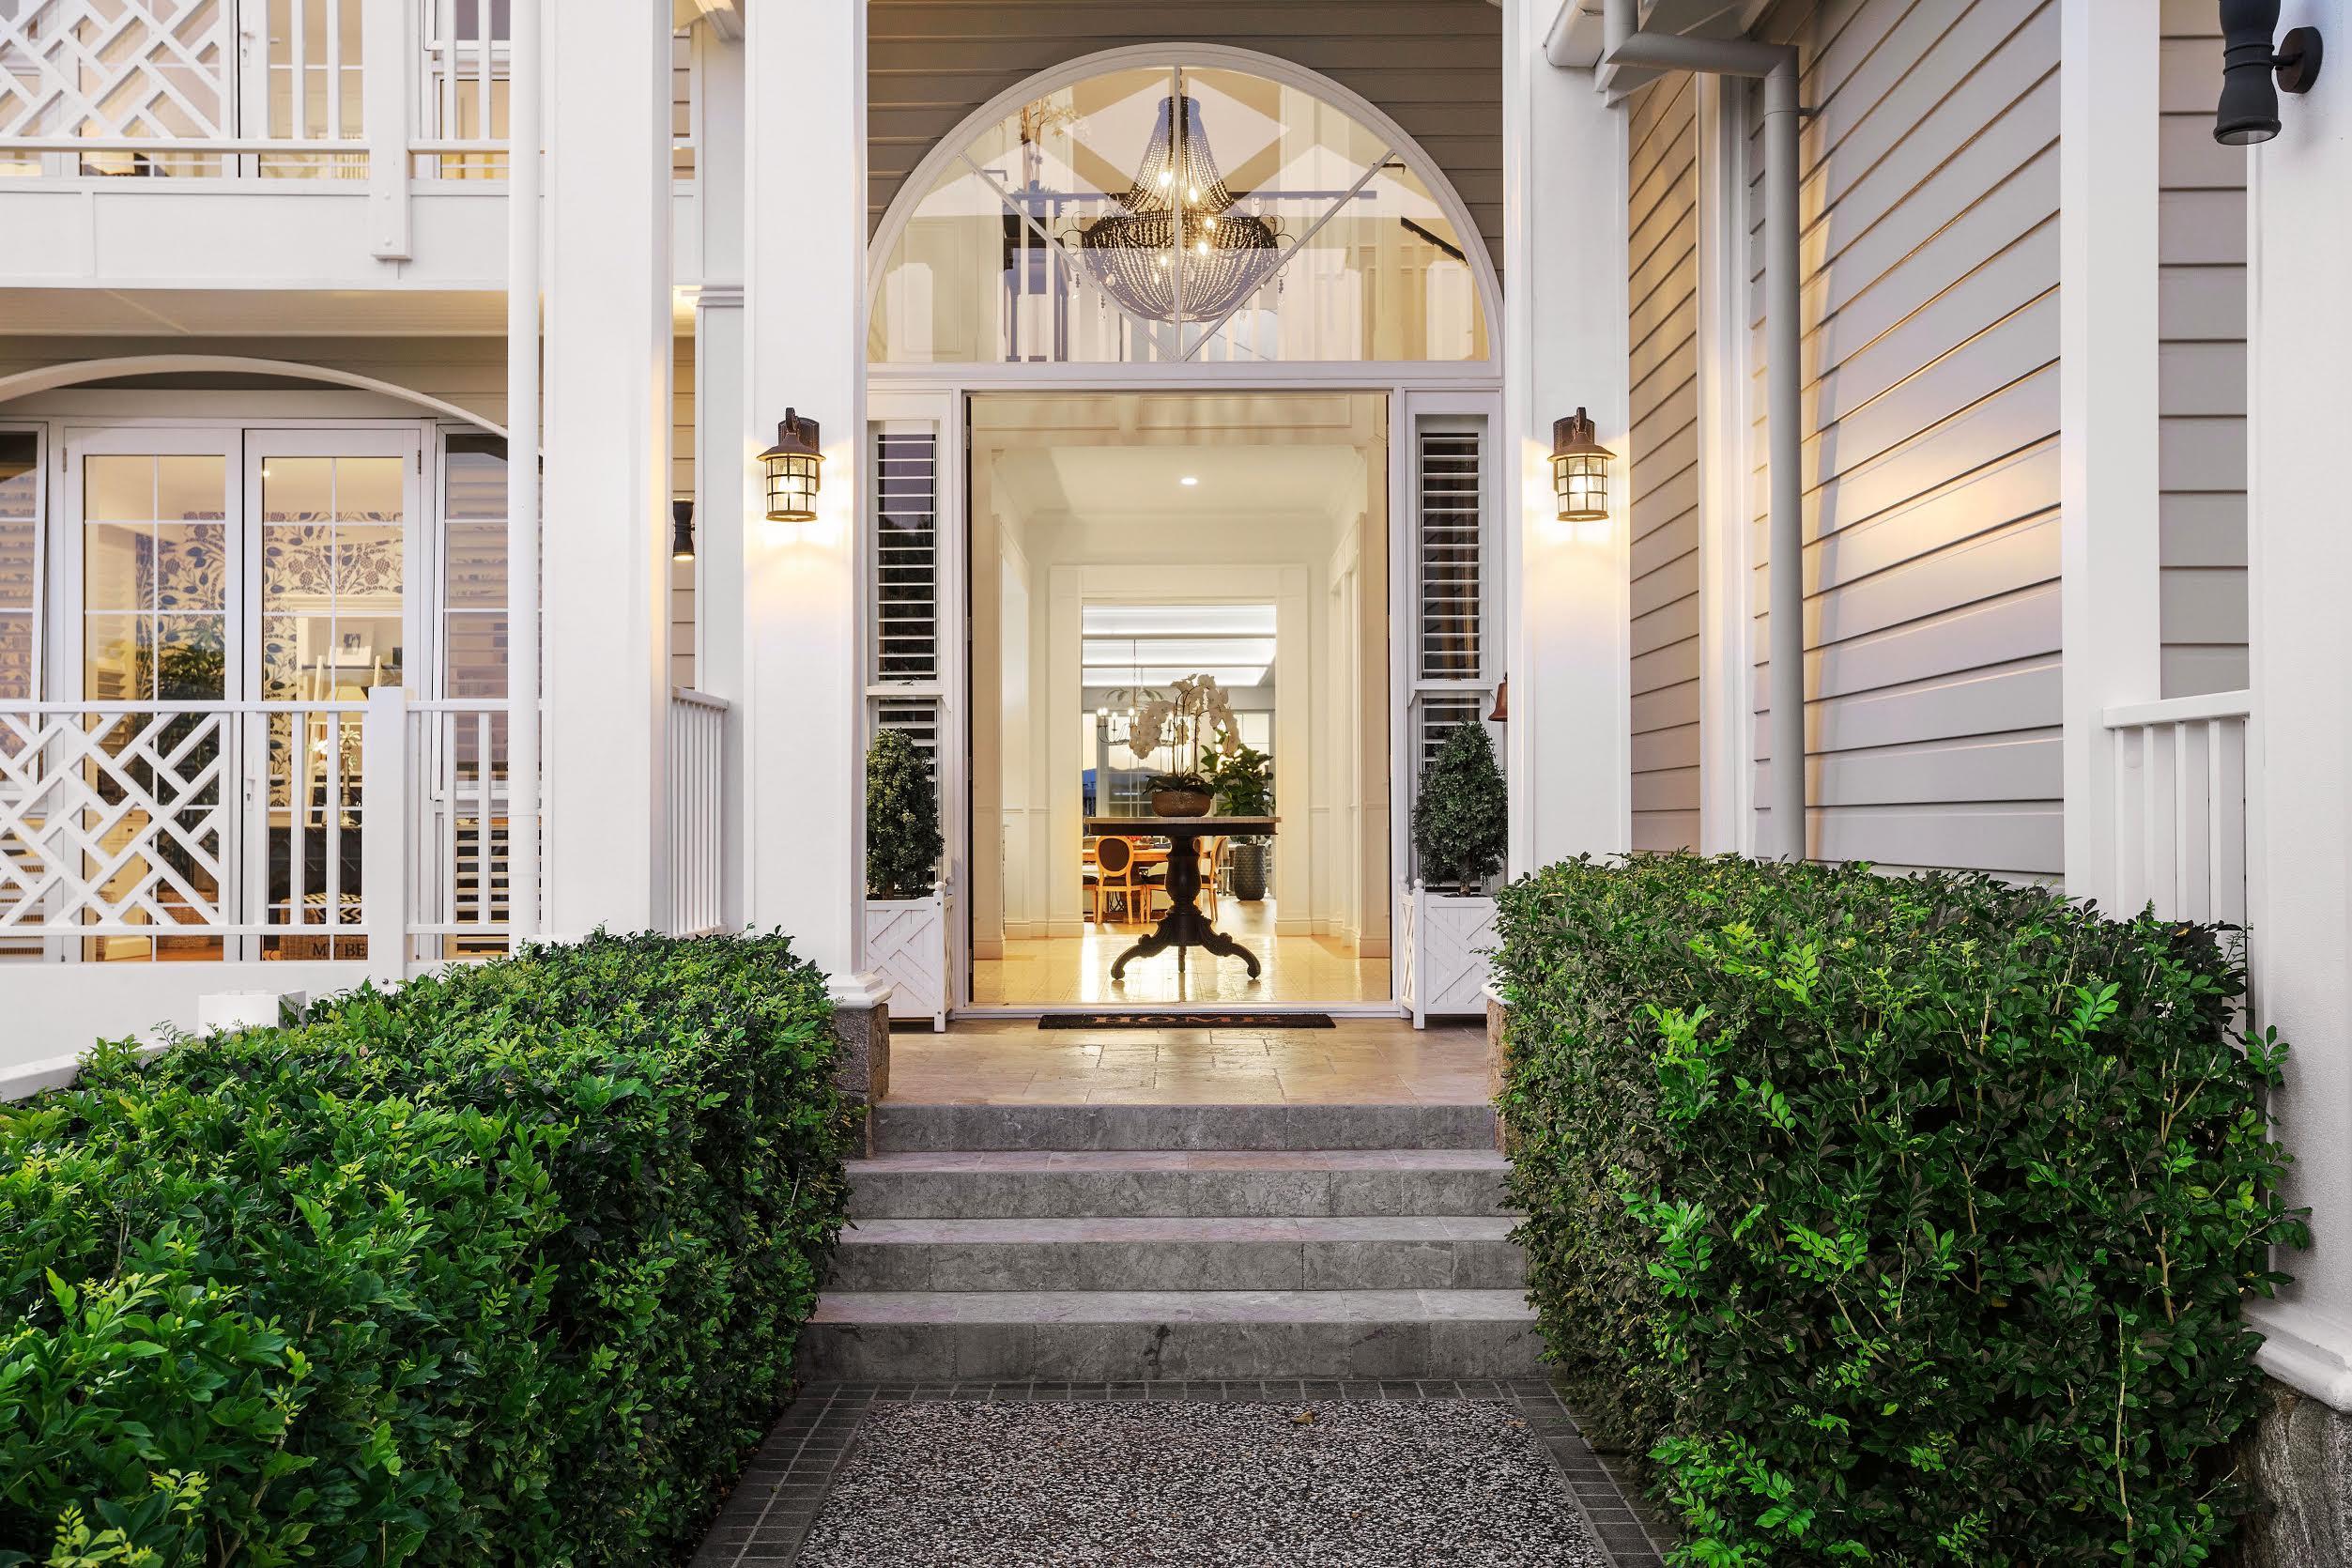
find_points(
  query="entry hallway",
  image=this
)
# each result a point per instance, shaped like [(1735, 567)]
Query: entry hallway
[(1361, 1061)]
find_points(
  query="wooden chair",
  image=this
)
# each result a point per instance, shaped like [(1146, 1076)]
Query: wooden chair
[(1212, 863), (1116, 875)]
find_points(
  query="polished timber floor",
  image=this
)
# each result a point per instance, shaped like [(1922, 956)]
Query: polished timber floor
[(1059, 970), (1361, 1061)]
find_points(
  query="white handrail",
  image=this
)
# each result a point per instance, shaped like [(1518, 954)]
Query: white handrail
[(2180, 710)]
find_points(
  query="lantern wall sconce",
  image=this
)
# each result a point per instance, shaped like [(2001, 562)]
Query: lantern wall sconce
[(682, 530), (2252, 77), (792, 464), (1579, 470)]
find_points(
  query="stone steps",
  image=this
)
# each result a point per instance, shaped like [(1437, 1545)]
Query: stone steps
[(932, 1128), (1125, 1244), (1285, 1183), (1187, 1335), (1373, 1252)]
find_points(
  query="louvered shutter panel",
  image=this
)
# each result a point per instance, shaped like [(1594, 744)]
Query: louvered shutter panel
[(1452, 580), (906, 556)]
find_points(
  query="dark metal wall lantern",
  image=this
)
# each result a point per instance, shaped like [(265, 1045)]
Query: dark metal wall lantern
[(1579, 470), (682, 530), (792, 464), (2252, 76)]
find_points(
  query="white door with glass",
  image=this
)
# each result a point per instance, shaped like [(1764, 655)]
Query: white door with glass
[(234, 594)]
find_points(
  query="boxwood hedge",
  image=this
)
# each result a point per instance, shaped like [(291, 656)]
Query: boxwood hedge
[(504, 1266), (1897, 1220)]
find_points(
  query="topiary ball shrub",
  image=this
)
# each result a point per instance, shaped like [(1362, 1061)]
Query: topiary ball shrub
[(903, 842), (1461, 812), (503, 1265), (1895, 1219)]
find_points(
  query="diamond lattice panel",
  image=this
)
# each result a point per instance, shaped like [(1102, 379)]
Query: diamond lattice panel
[(116, 68), (112, 818)]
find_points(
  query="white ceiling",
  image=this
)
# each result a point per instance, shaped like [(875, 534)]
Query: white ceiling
[(1154, 644), (1140, 484)]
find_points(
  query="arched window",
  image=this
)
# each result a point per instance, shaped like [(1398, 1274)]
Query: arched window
[(1164, 213)]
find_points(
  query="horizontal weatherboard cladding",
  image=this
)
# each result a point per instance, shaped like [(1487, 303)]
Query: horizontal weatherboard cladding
[(1661, 464), (1435, 67), (2201, 365), (1929, 343)]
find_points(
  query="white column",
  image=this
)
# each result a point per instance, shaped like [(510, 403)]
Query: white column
[(2107, 406), (607, 455), (721, 424), (2299, 762), (524, 220), (1563, 347), (805, 296)]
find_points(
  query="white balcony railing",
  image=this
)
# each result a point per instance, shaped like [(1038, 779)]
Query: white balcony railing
[(238, 831), (697, 800), (388, 100), (2181, 805)]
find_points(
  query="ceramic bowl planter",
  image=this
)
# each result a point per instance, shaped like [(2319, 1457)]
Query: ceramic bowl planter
[(1180, 803)]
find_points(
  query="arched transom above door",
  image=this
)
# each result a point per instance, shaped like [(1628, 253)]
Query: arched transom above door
[(1206, 209)]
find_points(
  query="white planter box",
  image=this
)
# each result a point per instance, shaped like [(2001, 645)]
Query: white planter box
[(906, 944), (1442, 944)]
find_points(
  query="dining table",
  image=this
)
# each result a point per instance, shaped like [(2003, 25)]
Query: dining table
[(1184, 926)]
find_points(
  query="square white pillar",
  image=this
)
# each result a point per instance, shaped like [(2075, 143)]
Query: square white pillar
[(607, 439), (1567, 614), (2298, 755), (805, 302), (2107, 406)]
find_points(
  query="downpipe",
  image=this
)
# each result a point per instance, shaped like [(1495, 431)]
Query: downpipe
[(1775, 65)]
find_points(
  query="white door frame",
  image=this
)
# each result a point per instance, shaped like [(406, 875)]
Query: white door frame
[(942, 396)]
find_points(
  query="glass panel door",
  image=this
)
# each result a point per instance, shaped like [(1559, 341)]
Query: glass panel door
[(150, 595), (329, 542)]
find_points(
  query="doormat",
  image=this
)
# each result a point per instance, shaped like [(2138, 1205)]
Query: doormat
[(1185, 1021)]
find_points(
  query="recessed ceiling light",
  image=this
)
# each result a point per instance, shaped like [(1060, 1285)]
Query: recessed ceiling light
[(1188, 479)]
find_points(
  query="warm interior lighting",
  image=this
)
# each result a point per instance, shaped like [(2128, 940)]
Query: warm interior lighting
[(682, 530), (792, 464), (1190, 479), (1579, 470)]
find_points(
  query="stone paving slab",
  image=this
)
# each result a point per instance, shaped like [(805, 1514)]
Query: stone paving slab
[(770, 1514)]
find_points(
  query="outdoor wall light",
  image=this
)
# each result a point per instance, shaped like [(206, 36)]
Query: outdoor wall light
[(2248, 110), (682, 530), (792, 464), (1579, 470)]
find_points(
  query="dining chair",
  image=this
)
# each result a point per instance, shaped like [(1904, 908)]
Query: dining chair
[(1116, 876)]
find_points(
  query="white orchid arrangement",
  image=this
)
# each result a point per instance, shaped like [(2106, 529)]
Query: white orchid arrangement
[(1195, 721)]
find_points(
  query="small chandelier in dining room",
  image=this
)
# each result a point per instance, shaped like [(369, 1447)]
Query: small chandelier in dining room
[(1177, 246)]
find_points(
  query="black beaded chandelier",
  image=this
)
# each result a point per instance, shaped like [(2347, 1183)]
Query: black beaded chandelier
[(1179, 198)]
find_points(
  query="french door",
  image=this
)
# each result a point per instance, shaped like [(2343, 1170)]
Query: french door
[(226, 598)]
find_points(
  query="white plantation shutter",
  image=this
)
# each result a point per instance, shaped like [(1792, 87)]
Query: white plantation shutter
[(1452, 540), (905, 558), (1452, 681)]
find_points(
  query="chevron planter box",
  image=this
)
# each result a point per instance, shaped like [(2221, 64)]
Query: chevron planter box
[(906, 944), (1444, 941)]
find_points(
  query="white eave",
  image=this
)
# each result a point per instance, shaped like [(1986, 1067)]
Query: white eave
[(1575, 40)]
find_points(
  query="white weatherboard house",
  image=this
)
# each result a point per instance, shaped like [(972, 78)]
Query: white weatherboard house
[(1972, 420)]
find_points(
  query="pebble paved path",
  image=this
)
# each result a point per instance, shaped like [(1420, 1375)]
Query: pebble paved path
[(1364, 1484)]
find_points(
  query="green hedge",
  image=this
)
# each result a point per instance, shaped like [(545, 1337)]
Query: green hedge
[(1897, 1220), (502, 1267)]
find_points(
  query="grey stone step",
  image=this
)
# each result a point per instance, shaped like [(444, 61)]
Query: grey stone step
[(1283, 1184), (1369, 1253), (1118, 1336), (923, 1129)]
